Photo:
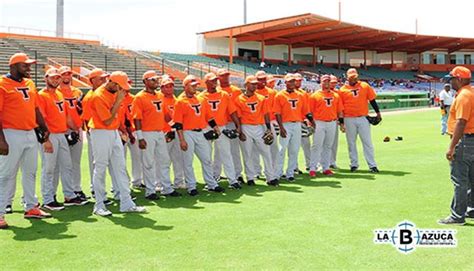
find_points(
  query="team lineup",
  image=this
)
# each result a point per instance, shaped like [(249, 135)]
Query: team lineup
[(229, 130)]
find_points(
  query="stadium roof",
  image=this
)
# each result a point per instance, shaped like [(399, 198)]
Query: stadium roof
[(310, 30)]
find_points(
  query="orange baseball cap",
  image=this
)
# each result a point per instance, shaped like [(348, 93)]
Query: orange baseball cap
[(333, 79), (166, 80), (149, 75), (52, 72), (121, 78), (97, 73), (251, 80), (261, 75), (298, 76), (210, 77), (289, 77), (270, 78), (65, 69), (20, 58), (460, 72), (221, 72), (325, 77), (190, 79), (352, 73)]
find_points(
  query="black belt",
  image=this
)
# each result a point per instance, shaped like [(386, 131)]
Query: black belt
[(196, 130), (469, 135)]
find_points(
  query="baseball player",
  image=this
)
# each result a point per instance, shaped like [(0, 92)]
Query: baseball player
[(71, 96), (107, 147), (235, 146), (191, 116), (306, 130), (326, 109), (137, 170), (460, 153), (356, 96), (174, 150), (18, 142), (55, 151), (290, 109), (148, 112), (221, 107), (254, 116), (269, 94), (332, 163)]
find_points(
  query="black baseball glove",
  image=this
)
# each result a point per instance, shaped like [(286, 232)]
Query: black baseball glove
[(72, 138), (211, 135), (374, 120), (40, 135), (169, 136), (268, 137), (230, 133)]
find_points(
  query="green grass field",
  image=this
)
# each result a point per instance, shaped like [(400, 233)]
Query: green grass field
[(324, 223)]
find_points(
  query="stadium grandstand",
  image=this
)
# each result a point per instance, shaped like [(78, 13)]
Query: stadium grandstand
[(404, 68)]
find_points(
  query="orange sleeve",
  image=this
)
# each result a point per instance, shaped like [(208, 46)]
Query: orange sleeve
[(305, 107), (230, 105), (178, 112), (137, 109), (2, 98), (463, 108), (265, 109), (277, 105), (370, 93), (340, 105), (42, 105), (206, 108), (101, 109)]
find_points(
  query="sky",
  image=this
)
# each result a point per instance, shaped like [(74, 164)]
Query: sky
[(171, 26)]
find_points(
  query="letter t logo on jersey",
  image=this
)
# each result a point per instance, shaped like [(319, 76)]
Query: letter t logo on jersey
[(253, 106), (24, 91), (197, 109), (157, 104), (328, 101), (293, 103), (355, 92), (60, 104), (214, 105)]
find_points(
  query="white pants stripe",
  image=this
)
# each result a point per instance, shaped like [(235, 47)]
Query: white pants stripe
[(359, 126), (292, 143)]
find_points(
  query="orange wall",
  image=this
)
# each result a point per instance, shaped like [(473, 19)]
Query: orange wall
[(54, 39)]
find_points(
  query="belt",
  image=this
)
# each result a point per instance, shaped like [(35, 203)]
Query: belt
[(326, 120), (468, 135), (196, 130)]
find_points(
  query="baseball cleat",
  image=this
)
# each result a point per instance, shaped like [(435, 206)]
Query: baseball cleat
[(451, 221), (193, 192), (136, 209), (153, 196), (273, 182), (77, 201), (53, 206), (102, 212), (36, 213), (235, 186), (328, 172), (353, 169), (172, 194), (3, 223), (291, 179), (250, 182), (241, 180), (312, 173), (217, 189), (9, 209), (374, 170)]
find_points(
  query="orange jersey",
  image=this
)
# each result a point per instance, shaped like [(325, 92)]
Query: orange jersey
[(192, 113), (232, 90), (292, 106), (462, 108), (169, 102), (269, 94), (325, 105), (127, 104), (356, 99), (220, 105), (54, 110), (150, 109), (86, 107), (71, 96), (101, 103), (18, 102), (252, 110)]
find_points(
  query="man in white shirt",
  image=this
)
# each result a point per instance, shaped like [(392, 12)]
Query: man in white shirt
[(446, 98)]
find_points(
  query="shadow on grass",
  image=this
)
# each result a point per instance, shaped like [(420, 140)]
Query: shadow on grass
[(382, 172), (76, 213), (137, 221), (41, 229)]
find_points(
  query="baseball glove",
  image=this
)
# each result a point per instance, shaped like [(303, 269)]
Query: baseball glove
[(306, 130), (276, 128), (40, 135), (230, 133), (374, 120), (211, 135), (268, 137), (72, 138), (170, 136)]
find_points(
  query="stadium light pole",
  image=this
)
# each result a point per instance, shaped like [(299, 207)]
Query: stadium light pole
[(60, 18), (245, 11)]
